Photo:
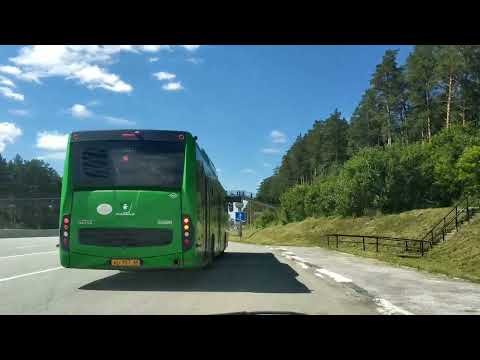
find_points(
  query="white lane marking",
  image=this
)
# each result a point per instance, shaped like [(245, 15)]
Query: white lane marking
[(303, 265), (298, 258), (385, 307), (289, 253), (319, 275), (337, 277), (37, 253), (30, 246), (30, 274)]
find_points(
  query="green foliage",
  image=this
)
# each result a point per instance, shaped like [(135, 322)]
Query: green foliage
[(268, 217), (293, 203), (374, 155), (321, 197), (393, 180), (469, 170), (27, 179)]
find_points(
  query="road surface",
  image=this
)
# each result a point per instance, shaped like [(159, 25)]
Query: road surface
[(247, 278)]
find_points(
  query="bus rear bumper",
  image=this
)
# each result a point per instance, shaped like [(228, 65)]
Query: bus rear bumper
[(171, 261)]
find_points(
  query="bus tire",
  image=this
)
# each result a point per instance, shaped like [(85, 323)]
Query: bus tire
[(211, 255), (213, 248)]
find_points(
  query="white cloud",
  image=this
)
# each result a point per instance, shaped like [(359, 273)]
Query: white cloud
[(84, 63), (93, 103), (94, 76), (162, 75), (52, 141), (155, 48), (9, 93), (6, 82), (194, 60), (19, 112), (153, 59), (9, 132), (268, 165), (12, 70), (278, 137), (248, 171), (173, 86), (270, 151), (119, 121), (53, 156), (191, 47), (80, 111), (79, 62)]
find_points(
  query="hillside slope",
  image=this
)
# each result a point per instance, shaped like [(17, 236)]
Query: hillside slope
[(458, 257)]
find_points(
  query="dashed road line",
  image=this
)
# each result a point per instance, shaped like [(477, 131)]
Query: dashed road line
[(385, 307), (337, 277), (30, 246), (37, 253), (30, 274)]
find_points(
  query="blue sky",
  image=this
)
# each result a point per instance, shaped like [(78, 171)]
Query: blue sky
[(246, 104)]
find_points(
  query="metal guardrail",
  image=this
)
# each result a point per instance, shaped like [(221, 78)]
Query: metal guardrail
[(463, 211), (408, 245)]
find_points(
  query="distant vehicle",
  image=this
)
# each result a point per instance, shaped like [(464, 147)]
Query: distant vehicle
[(140, 199)]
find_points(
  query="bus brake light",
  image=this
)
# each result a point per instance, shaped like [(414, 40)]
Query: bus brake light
[(187, 240), (64, 233)]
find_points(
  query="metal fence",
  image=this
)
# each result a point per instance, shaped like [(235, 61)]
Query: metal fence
[(462, 212), (378, 243), (29, 212)]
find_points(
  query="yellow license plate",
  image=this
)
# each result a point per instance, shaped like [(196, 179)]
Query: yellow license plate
[(125, 262)]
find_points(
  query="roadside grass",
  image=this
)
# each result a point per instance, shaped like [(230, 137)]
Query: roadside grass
[(457, 257)]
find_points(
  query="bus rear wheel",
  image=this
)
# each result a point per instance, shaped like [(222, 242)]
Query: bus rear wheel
[(211, 253)]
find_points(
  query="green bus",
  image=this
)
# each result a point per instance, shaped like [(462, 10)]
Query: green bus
[(140, 199)]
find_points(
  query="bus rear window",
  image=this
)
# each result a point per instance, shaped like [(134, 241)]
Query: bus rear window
[(127, 164)]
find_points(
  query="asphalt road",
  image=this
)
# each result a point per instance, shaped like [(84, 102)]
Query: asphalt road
[(247, 278)]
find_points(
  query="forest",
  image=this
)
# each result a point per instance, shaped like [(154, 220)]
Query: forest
[(29, 192), (413, 141)]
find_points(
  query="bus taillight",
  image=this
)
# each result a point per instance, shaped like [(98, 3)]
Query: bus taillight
[(65, 233), (186, 232)]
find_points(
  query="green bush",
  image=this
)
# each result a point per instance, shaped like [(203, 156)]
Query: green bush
[(268, 217), (468, 167), (321, 197), (394, 179), (293, 203)]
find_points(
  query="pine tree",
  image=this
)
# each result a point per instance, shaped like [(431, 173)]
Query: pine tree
[(421, 81), (387, 82), (450, 66)]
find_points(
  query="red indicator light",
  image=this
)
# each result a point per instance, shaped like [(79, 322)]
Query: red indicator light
[(128, 135), (186, 220), (66, 221), (125, 158)]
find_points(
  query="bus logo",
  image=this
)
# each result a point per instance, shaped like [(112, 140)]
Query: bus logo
[(125, 208), (104, 209), (173, 196)]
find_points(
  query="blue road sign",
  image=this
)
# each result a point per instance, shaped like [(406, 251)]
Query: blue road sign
[(240, 216)]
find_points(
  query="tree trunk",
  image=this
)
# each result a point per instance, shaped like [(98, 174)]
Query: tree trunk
[(449, 99), (429, 122), (389, 122), (463, 113)]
